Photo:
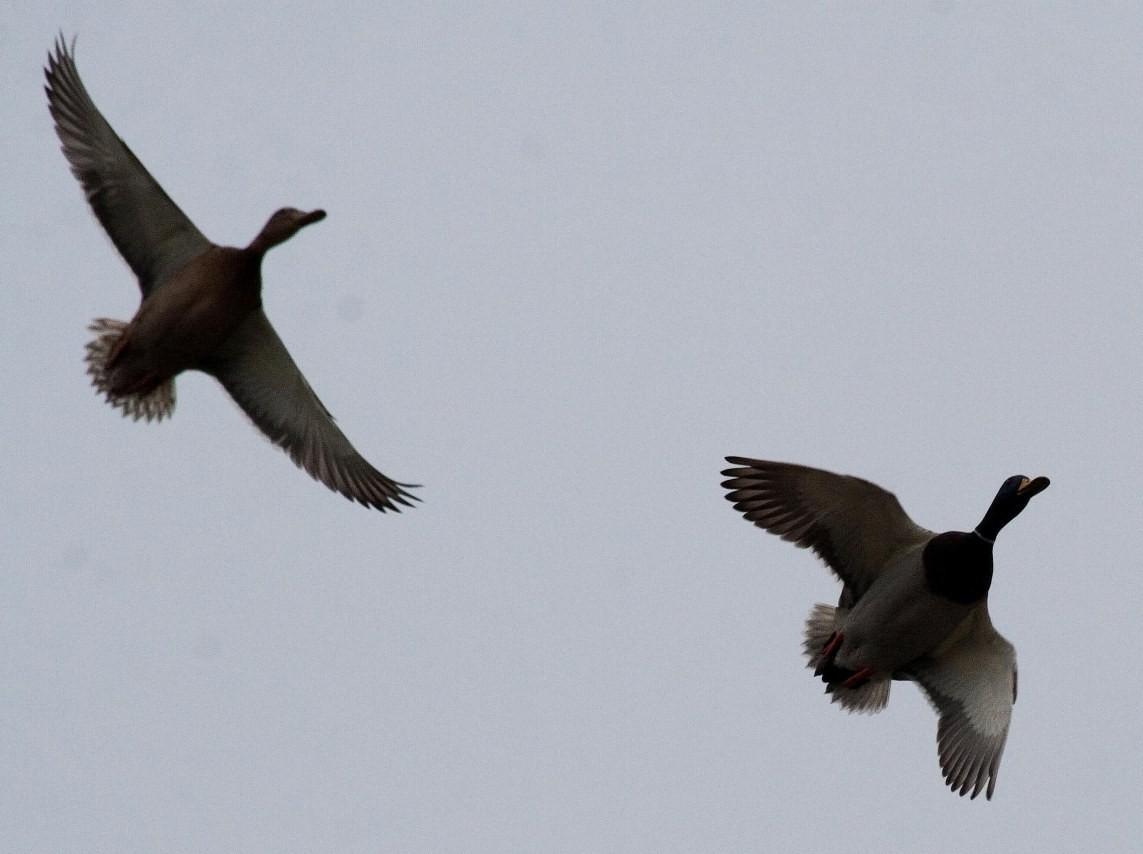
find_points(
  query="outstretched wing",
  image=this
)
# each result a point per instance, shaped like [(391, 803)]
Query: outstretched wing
[(853, 525), (255, 367), (150, 232), (972, 686)]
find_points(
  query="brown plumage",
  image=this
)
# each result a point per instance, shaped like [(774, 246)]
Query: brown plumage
[(201, 307)]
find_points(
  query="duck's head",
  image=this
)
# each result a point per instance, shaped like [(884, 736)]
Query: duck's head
[(1010, 501), (282, 225)]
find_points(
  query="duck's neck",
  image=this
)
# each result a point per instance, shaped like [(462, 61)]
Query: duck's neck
[(998, 515), (958, 566), (263, 243)]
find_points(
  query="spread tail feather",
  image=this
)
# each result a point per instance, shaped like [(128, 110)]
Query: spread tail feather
[(868, 698), (155, 405)]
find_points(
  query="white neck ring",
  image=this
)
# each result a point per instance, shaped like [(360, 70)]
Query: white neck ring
[(977, 532)]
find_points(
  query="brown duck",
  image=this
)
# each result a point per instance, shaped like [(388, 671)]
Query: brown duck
[(201, 308)]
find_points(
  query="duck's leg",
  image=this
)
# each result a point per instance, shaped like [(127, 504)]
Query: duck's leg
[(828, 653), (859, 678), (833, 675)]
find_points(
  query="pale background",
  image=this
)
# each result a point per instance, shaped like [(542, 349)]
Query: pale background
[(574, 256)]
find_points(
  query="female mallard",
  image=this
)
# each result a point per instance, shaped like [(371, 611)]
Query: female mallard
[(913, 606), (201, 307)]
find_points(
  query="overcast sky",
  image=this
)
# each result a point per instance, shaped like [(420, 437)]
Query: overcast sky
[(574, 256)]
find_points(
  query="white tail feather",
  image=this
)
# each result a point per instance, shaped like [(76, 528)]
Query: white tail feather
[(153, 406), (869, 698)]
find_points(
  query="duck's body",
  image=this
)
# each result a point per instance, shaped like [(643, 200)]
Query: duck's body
[(913, 605), (885, 633), (201, 305)]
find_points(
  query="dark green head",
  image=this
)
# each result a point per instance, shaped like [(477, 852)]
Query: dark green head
[(1009, 502)]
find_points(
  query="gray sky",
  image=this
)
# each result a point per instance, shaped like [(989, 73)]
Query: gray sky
[(573, 258)]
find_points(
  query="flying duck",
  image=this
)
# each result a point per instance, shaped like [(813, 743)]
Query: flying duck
[(201, 307), (913, 606)]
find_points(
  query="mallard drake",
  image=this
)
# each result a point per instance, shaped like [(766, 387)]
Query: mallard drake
[(913, 606), (201, 307)]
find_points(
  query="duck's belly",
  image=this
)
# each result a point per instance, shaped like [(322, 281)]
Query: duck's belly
[(185, 321), (895, 622)]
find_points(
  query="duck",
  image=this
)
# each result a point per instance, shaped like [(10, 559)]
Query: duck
[(913, 605), (201, 306)]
